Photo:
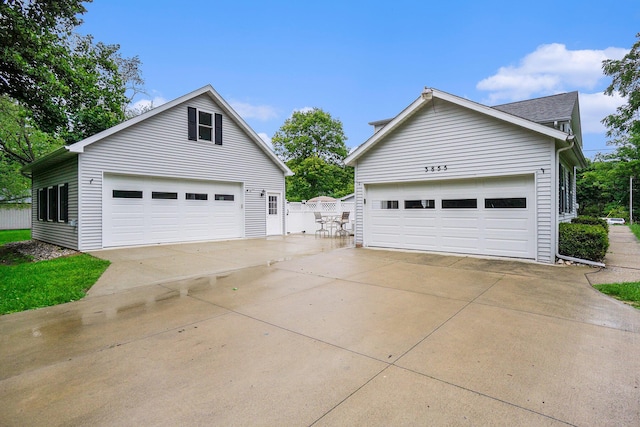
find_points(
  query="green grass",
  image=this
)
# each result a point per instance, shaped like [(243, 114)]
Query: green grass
[(25, 285), (635, 229), (7, 236), (628, 292), (41, 284)]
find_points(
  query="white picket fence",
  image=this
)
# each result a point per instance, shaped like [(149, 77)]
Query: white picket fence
[(301, 217), (15, 218)]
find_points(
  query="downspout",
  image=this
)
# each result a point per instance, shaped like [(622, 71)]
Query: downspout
[(572, 140)]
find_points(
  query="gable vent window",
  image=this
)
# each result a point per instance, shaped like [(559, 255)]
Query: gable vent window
[(204, 126)]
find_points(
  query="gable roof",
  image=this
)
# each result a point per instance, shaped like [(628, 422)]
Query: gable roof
[(79, 146), (543, 110), (427, 96)]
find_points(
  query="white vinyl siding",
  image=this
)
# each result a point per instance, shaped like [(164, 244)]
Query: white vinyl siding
[(470, 145), (59, 233), (159, 146)]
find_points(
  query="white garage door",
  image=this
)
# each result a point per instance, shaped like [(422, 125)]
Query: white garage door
[(487, 216), (145, 210)]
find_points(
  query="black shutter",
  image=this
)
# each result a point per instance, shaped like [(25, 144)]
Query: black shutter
[(218, 138), (193, 124), (64, 202), (42, 204)]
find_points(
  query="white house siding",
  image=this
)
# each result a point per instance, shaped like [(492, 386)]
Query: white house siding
[(159, 147), (470, 145), (60, 233)]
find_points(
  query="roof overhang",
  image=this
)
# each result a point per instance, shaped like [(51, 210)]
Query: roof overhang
[(427, 96), (79, 146)]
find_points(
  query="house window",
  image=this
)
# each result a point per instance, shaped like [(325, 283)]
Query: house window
[(204, 126), (419, 204), (63, 198), (273, 205), (565, 190), (127, 194), (42, 204), (227, 197), (52, 201), (164, 195), (506, 203), (459, 203), (196, 196)]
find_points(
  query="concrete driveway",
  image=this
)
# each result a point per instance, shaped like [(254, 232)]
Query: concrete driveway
[(325, 335)]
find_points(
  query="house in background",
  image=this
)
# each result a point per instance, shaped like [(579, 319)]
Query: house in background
[(451, 175), (188, 170)]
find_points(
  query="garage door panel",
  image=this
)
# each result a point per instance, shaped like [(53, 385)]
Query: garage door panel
[(503, 228), (184, 211)]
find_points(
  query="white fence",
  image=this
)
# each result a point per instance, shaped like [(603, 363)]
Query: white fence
[(301, 218), (15, 218)]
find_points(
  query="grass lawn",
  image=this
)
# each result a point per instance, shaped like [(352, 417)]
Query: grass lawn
[(628, 292), (635, 228), (7, 236), (25, 285)]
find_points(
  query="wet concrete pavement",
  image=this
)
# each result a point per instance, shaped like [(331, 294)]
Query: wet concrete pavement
[(324, 335)]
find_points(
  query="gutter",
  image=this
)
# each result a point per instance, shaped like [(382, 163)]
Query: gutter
[(572, 140)]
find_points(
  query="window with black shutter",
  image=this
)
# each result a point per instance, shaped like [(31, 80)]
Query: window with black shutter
[(42, 204), (63, 191), (193, 124), (218, 130), (53, 203)]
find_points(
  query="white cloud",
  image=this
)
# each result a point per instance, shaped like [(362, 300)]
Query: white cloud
[(550, 69), (302, 110), (146, 104), (260, 112), (265, 138), (596, 106)]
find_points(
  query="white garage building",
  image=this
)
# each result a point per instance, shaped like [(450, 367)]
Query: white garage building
[(188, 170), (451, 175)]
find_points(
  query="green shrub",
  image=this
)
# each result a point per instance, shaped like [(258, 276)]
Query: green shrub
[(591, 220), (583, 241)]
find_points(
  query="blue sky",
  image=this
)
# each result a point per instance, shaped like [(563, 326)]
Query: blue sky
[(365, 61)]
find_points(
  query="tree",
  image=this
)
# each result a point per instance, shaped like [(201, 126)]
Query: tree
[(56, 87), (625, 74), (312, 144), (72, 86)]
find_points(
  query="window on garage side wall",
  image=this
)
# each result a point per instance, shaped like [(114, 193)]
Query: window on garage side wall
[(53, 203), (565, 190)]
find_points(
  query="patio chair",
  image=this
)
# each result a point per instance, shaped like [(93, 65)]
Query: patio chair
[(320, 220), (341, 222)]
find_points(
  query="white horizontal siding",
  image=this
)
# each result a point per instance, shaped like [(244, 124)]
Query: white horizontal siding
[(59, 233), (159, 147), (470, 145)]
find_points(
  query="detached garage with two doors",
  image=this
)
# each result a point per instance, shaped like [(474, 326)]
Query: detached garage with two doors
[(451, 175), (188, 170)]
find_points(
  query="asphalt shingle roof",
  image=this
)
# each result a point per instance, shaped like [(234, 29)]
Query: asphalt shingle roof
[(543, 110)]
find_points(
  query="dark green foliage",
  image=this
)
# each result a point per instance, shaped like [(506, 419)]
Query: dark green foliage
[(312, 144), (583, 241), (591, 220)]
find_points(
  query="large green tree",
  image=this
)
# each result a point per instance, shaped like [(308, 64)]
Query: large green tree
[(625, 80), (56, 86), (603, 187), (313, 145)]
